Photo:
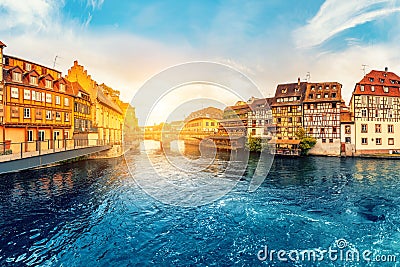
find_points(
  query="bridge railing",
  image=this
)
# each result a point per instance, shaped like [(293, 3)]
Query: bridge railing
[(18, 150)]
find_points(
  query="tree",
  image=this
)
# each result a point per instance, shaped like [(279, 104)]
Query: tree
[(254, 144), (306, 142)]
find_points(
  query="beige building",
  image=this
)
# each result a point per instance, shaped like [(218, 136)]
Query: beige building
[(107, 116), (375, 105)]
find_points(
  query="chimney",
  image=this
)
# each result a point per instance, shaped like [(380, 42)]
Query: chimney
[(386, 69), (2, 45), (298, 81)]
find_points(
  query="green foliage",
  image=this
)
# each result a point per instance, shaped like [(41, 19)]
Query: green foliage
[(306, 142), (254, 144)]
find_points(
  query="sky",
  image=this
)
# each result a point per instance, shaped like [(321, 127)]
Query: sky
[(126, 43)]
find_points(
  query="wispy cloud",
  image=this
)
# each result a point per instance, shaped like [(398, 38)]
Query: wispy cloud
[(33, 15), (95, 4), (336, 16)]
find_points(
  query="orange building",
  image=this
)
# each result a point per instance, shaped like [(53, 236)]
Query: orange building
[(36, 103)]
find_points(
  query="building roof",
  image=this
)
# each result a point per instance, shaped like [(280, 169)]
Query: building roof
[(374, 82), (284, 141), (209, 112), (2, 44), (345, 117), (289, 90), (323, 92), (76, 87), (107, 101)]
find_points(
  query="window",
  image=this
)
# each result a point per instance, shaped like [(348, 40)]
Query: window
[(290, 119), (327, 87), (348, 140), (364, 128), (311, 130), (33, 95), (17, 77), (364, 113), (378, 141), (66, 117), (386, 89), (66, 101), (318, 95), (27, 113), (43, 97), (372, 88), (14, 92), (347, 129), (391, 141), (62, 87), (362, 88), (377, 113), (377, 100), (382, 80), (326, 95), (48, 98), (58, 116), (58, 100), (313, 87), (38, 114), (334, 87), (299, 119), (212, 123), (334, 130), (364, 141), (333, 104), (377, 128), (28, 66), (48, 114), (371, 79), (390, 128), (49, 84), (322, 130), (333, 95), (363, 99), (27, 94), (33, 80), (30, 136), (390, 101), (207, 123), (323, 140), (284, 90), (41, 135), (14, 112), (311, 96), (330, 140)]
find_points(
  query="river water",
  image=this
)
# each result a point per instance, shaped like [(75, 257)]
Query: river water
[(96, 213)]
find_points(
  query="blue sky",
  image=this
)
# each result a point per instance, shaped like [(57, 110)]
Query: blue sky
[(124, 43)]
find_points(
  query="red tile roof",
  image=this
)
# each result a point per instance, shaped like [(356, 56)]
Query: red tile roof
[(379, 79)]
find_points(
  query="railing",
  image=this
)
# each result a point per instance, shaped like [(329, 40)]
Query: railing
[(12, 151)]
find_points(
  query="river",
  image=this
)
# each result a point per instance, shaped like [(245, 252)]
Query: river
[(99, 212)]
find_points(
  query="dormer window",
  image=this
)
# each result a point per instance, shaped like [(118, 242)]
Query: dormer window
[(17, 77), (371, 79), (334, 87), (49, 84), (62, 87), (372, 88), (33, 80), (28, 66), (362, 88), (382, 80), (320, 87), (284, 90), (327, 87), (326, 95), (392, 81), (333, 95), (318, 95), (296, 89), (313, 87), (311, 96)]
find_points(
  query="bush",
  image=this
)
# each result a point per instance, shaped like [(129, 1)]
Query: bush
[(254, 144), (306, 142)]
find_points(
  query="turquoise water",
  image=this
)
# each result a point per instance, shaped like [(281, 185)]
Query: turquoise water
[(94, 213)]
